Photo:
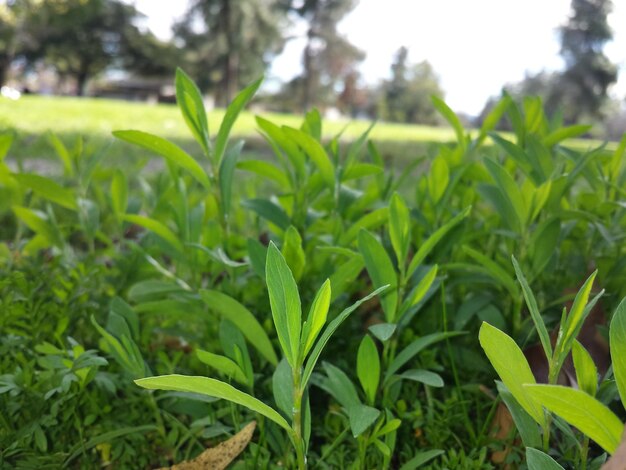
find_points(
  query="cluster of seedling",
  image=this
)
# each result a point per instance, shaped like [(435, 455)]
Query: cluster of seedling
[(206, 268)]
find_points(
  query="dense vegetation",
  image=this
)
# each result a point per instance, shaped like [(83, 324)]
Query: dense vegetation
[(331, 297)]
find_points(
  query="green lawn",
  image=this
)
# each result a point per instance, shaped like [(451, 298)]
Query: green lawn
[(33, 116)]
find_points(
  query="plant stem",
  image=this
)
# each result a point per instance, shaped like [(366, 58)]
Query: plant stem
[(583, 454), (296, 423), (455, 375)]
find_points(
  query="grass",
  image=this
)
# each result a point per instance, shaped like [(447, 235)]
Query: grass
[(32, 117)]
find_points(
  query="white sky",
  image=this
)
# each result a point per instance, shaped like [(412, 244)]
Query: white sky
[(474, 46)]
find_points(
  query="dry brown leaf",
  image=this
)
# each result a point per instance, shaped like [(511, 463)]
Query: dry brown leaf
[(618, 459), (501, 428), (220, 456)]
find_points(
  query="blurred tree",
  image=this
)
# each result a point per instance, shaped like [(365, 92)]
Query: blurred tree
[(229, 43), (16, 33), (406, 96), (328, 57), (81, 38), (588, 72)]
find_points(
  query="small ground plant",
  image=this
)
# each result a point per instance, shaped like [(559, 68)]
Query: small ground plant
[(187, 275)]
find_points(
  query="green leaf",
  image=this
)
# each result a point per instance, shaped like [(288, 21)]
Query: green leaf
[(371, 220), (293, 252), (381, 272), (243, 319), (576, 315), (285, 304), (399, 228), (543, 243), (368, 368), (235, 348), (316, 318), (493, 117), (223, 365), (282, 387), (124, 353), (191, 106), (38, 222), (312, 124), (413, 349), (421, 458), (526, 426), (257, 253), (438, 178), (452, 119), (586, 371), (213, 388), (540, 326), (276, 137), (6, 139), (537, 460), (431, 241), (48, 189), (232, 112), (509, 189), (269, 211), (62, 153), (226, 173), (383, 331), (617, 335), (509, 362), (420, 290), (315, 151), (119, 193), (171, 152), (328, 332), (339, 385), (422, 376), (564, 133), (494, 269), (582, 411), (360, 170), (267, 170), (157, 227), (79, 448), (361, 417), (341, 280)]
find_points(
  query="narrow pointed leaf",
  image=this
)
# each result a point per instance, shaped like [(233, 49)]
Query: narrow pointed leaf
[(544, 336), (190, 102), (426, 247), (582, 411), (243, 319), (368, 367), (157, 227), (171, 152), (328, 332), (317, 317), (212, 388), (381, 272), (509, 362), (285, 303), (617, 334), (232, 112)]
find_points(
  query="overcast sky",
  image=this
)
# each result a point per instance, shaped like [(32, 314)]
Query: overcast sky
[(474, 46)]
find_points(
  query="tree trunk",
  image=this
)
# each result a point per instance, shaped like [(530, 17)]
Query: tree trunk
[(230, 81), (307, 85), (81, 83), (4, 68)]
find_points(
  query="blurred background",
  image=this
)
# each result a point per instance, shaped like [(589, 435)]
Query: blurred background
[(355, 59)]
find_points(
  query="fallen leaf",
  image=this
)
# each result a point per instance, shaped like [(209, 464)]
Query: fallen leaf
[(220, 456)]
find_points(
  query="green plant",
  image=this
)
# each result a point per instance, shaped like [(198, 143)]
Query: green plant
[(301, 344)]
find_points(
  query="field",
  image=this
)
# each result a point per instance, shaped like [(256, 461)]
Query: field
[(415, 297)]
